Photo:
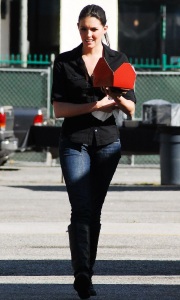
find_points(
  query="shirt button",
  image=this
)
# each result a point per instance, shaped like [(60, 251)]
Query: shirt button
[(95, 130)]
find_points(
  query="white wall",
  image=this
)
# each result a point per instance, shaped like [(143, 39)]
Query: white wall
[(69, 13), (4, 33)]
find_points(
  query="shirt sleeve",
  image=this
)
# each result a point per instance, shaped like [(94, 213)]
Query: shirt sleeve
[(130, 95), (58, 92)]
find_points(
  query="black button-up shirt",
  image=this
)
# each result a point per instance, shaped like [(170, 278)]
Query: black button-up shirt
[(71, 83)]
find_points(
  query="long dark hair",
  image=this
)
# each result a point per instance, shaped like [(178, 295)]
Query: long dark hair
[(97, 12)]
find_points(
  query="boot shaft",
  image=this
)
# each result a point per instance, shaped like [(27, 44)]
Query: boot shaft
[(79, 240), (94, 238)]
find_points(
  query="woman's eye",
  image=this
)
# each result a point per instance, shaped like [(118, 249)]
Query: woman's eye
[(85, 29)]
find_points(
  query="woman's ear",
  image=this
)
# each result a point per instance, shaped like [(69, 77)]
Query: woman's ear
[(105, 28)]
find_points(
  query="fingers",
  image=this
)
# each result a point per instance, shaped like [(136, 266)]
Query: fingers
[(103, 89), (110, 101), (114, 91)]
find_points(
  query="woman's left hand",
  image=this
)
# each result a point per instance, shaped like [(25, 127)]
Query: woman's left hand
[(118, 95), (114, 92)]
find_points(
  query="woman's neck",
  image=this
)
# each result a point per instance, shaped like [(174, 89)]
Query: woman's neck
[(96, 51), (91, 58)]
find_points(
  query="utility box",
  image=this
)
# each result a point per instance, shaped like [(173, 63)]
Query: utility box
[(161, 112), (175, 114), (170, 155)]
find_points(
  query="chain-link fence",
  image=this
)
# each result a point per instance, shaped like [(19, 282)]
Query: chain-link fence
[(32, 87), (26, 87), (156, 85)]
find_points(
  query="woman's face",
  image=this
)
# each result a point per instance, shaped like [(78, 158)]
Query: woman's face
[(91, 31)]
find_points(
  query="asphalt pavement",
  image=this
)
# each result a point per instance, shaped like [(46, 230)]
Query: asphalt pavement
[(139, 248)]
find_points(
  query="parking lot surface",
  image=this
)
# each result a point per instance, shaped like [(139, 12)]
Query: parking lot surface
[(139, 248)]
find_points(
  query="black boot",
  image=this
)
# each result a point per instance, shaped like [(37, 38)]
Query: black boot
[(79, 239), (94, 238)]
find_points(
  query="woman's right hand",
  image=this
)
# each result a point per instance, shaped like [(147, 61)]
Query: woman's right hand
[(106, 105)]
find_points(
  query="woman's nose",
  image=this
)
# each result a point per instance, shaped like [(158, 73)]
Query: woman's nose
[(89, 33)]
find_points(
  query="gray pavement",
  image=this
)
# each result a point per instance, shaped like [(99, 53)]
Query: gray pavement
[(139, 248)]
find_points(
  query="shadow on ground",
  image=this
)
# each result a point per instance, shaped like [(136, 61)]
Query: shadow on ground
[(105, 292), (103, 268), (112, 188)]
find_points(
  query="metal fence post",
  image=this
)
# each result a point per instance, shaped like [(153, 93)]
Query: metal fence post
[(164, 62)]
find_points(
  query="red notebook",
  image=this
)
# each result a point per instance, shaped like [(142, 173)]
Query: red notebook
[(123, 77)]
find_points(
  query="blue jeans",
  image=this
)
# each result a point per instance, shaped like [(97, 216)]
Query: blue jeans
[(87, 172)]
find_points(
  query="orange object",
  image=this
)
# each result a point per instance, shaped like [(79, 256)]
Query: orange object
[(38, 119), (2, 119), (123, 77)]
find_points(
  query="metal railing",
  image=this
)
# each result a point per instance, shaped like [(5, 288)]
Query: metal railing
[(32, 59), (163, 64)]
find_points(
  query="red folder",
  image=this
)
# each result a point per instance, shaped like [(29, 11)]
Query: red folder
[(123, 77)]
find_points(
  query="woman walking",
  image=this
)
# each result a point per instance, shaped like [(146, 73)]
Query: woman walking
[(89, 148)]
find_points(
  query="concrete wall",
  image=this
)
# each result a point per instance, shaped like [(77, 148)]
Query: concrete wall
[(69, 13)]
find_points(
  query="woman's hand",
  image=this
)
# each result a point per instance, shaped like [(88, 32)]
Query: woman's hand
[(114, 92), (106, 104), (118, 95)]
